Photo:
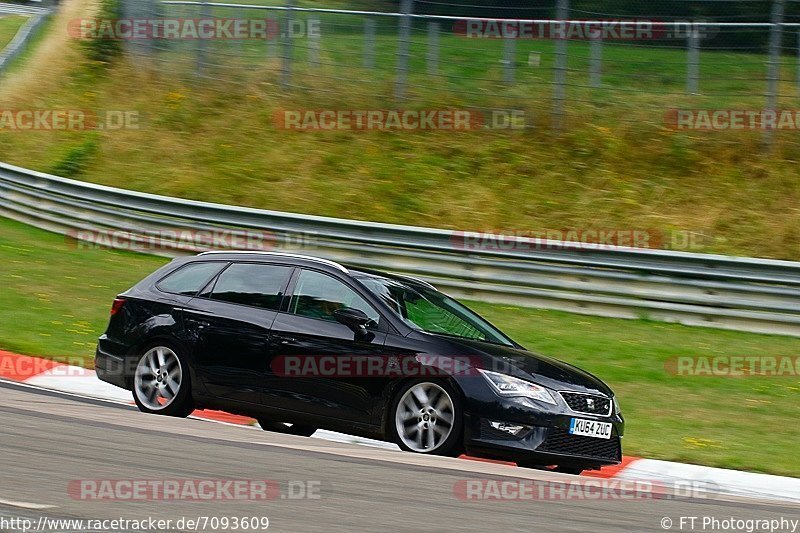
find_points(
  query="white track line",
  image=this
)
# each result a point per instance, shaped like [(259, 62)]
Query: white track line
[(26, 505)]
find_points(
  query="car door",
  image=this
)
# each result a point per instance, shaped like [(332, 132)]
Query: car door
[(230, 326), (307, 331)]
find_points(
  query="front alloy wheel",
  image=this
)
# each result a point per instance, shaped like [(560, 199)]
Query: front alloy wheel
[(427, 419)]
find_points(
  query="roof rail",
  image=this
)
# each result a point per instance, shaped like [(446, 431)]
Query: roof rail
[(281, 254), (416, 280)]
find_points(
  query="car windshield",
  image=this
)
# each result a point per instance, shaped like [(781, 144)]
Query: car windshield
[(431, 311)]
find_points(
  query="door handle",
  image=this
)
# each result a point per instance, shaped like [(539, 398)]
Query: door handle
[(288, 340)]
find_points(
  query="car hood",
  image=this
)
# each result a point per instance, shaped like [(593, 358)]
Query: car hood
[(545, 371)]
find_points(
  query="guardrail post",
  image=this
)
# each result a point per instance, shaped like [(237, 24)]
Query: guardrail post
[(404, 41), (560, 74), (596, 60), (369, 43), (205, 12), (314, 24), (693, 58), (509, 59), (433, 47), (288, 52), (774, 62)]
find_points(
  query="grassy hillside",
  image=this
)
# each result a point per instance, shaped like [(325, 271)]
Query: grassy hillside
[(9, 25), (55, 302), (615, 165)]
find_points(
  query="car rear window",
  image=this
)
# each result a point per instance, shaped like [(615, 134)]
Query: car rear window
[(189, 279), (257, 285)]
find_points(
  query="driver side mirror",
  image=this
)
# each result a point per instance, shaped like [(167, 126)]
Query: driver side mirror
[(354, 319)]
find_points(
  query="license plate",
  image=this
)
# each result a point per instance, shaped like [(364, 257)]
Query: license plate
[(590, 428)]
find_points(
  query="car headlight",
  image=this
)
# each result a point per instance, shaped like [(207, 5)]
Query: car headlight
[(505, 385), (616, 406)]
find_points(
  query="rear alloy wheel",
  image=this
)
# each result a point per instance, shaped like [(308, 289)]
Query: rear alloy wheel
[(161, 384), (427, 419), (300, 430)]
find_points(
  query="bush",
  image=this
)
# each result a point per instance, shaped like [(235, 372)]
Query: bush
[(101, 50)]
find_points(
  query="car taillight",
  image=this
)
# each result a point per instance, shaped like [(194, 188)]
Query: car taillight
[(117, 305)]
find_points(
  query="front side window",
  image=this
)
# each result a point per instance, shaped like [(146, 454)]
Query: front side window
[(431, 311), (252, 284), (318, 295), (189, 279)]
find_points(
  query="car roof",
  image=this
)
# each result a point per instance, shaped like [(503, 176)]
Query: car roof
[(353, 271), (239, 254)]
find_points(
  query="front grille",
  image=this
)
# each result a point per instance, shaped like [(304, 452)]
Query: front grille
[(587, 403), (561, 442)]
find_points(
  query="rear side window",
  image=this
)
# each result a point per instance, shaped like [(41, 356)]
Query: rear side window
[(252, 284), (189, 279)]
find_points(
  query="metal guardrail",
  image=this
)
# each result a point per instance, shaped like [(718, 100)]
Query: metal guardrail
[(20, 41), (746, 294)]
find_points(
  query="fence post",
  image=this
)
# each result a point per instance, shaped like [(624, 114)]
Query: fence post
[(406, 7), (509, 58), (288, 52), (151, 8), (693, 59), (205, 12), (433, 47), (369, 43), (596, 60), (313, 41), (798, 63), (560, 74), (774, 62), (273, 35)]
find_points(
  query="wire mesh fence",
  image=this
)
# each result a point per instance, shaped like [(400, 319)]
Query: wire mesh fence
[(552, 65)]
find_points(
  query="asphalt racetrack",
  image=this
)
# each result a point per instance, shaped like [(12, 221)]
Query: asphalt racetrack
[(50, 442)]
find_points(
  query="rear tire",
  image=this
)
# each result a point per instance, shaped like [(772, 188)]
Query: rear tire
[(301, 430), (162, 382)]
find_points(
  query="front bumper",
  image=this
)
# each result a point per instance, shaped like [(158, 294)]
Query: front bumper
[(543, 444), (546, 439)]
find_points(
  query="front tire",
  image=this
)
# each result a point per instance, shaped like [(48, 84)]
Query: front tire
[(162, 383), (426, 417)]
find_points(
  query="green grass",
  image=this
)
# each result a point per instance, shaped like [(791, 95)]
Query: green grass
[(9, 25), (615, 166), (55, 300), (55, 297)]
